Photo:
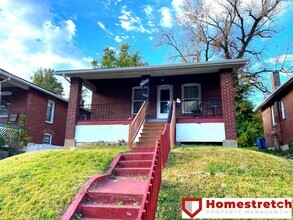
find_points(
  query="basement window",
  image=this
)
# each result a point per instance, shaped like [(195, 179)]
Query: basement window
[(47, 138)]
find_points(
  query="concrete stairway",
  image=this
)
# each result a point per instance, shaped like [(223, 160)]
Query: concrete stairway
[(120, 196), (150, 133)]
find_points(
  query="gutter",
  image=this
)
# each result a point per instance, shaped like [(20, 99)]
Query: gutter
[(5, 80), (224, 63)]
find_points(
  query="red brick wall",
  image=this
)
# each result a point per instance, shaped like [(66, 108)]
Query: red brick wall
[(284, 126), (120, 90), (36, 115), (73, 107), (18, 100), (267, 126), (228, 105), (287, 124)]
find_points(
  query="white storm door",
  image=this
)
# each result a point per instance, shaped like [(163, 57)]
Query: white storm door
[(164, 100)]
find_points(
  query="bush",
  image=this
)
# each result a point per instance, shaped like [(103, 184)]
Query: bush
[(2, 141), (16, 139)]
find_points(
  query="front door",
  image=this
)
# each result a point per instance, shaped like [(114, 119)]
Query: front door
[(164, 100)]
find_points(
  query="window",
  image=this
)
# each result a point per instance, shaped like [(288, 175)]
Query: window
[(137, 98), (273, 115), (282, 108), (47, 138), (191, 97), (5, 103), (50, 111)]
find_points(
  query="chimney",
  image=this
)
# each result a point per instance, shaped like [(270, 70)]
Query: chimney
[(275, 78)]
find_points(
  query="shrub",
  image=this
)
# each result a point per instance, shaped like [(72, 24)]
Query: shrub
[(2, 141), (16, 139)]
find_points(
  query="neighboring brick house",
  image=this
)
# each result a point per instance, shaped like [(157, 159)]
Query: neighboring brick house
[(205, 114), (45, 111), (277, 112)]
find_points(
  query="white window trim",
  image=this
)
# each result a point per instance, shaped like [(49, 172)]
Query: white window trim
[(51, 136), (53, 112), (182, 93), (166, 86), (283, 112), (273, 115), (132, 98)]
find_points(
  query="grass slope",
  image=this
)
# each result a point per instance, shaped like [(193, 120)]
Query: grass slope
[(41, 185), (218, 172)]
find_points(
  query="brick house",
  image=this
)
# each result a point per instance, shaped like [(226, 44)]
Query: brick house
[(277, 112), (45, 111), (205, 107)]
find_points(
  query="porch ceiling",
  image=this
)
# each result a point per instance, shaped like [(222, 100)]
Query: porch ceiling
[(162, 70)]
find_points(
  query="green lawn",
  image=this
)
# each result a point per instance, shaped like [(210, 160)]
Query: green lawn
[(41, 184), (286, 154), (219, 172)]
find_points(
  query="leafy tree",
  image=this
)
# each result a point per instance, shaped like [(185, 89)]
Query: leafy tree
[(249, 123), (228, 29), (45, 78), (123, 58)]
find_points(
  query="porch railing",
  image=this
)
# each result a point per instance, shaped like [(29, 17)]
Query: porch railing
[(115, 111), (136, 124), (149, 201), (150, 198), (199, 108)]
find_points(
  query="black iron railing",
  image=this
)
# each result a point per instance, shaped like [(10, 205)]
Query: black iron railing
[(192, 108), (105, 112), (199, 108)]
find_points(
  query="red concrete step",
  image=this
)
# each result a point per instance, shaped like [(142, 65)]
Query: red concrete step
[(147, 139), (100, 219), (148, 134), (146, 143), (134, 163), (154, 125), (99, 198), (121, 185), (137, 156), (132, 171), (152, 130), (109, 211), (143, 149)]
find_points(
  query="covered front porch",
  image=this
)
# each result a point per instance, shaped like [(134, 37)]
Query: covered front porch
[(202, 93)]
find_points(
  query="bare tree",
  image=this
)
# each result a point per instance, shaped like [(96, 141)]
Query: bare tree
[(226, 29)]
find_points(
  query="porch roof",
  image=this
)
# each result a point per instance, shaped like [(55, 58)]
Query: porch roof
[(160, 70)]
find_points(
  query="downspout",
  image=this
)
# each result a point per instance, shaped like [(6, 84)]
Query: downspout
[(5, 80), (66, 78)]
